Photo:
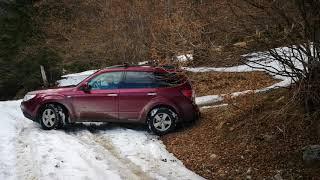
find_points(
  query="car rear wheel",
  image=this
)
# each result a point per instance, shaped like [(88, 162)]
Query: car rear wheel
[(49, 117), (162, 120)]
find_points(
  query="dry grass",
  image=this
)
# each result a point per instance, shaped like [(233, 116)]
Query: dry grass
[(223, 83), (258, 137)]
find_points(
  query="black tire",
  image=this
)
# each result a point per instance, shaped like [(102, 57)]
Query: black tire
[(162, 120), (49, 117)]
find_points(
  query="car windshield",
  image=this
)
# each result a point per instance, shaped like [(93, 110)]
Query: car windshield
[(89, 77), (107, 80)]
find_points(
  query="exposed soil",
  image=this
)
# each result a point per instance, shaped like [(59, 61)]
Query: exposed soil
[(254, 137), (209, 83)]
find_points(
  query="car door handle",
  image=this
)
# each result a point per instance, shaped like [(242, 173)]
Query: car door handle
[(152, 94), (112, 94)]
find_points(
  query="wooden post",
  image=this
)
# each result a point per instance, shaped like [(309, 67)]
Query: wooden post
[(44, 77)]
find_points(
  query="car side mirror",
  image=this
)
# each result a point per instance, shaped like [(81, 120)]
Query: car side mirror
[(85, 87)]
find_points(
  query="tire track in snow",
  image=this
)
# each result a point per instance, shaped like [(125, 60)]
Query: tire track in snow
[(37, 158), (25, 168), (107, 144), (149, 153), (133, 150), (107, 152), (90, 156)]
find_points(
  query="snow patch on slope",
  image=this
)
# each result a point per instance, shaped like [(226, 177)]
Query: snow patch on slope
[(261, 61), (184, 57)]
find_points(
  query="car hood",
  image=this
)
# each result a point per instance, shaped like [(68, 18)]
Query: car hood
[(53, 91)]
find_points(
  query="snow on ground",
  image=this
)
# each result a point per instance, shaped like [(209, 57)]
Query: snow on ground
[(8, 130), (82, 151), (215, 106), (208, 100), (184, 58)]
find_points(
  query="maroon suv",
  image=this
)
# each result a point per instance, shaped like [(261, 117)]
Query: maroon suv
[(140, 94)]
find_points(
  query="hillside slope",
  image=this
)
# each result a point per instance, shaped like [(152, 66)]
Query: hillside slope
[(259, 136)]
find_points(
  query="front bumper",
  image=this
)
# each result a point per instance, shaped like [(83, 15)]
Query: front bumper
[(27, 111)]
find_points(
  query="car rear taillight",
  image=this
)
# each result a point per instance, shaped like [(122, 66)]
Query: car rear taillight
[(189, 94)]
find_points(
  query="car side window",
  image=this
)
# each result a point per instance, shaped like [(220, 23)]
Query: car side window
[(138, 80), (109, 80)]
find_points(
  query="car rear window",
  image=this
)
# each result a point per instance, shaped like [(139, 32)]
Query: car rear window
[(138, 80), (169, 79)]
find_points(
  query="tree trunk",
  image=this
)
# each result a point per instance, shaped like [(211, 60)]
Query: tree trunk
[(44, 77)]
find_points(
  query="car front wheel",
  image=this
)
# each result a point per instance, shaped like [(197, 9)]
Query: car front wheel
[(49, 117), (162, 120)]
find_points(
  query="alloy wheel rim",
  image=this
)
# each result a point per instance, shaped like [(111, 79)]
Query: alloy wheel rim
[(162, 122), (48, 117)]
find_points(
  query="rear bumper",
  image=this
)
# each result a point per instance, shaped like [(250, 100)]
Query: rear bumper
[(197, 113), (191, 113)]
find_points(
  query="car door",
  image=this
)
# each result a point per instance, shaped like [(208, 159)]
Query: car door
[(136, 90), (100, 103)]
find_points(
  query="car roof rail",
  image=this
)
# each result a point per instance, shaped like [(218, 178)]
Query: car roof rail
[(127, 65)]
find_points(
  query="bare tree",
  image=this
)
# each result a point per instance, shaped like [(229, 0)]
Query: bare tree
[(294, 25)]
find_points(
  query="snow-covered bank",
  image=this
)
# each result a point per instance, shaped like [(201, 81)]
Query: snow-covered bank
[(81, 152), (261, 61)]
